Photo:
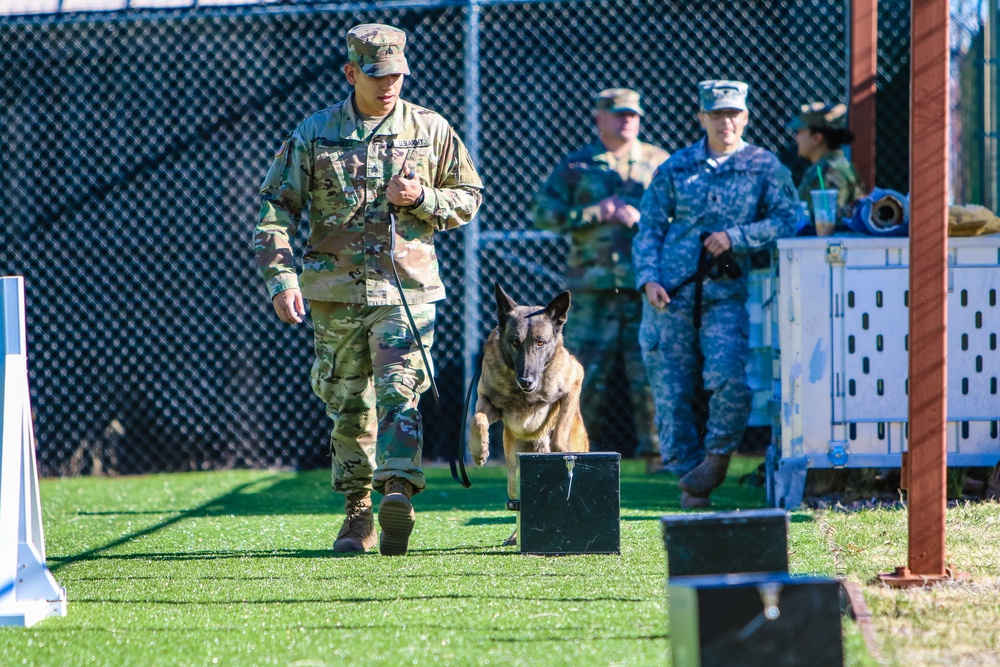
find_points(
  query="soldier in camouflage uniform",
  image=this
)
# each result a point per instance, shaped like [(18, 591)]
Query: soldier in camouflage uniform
[(820, 130), (593, 196), (344, 169), (744, 198)]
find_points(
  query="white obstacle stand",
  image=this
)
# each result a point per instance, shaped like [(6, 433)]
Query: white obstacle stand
[(28, 592)]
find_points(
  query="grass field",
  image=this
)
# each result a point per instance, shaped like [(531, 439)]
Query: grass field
[(234, 568)]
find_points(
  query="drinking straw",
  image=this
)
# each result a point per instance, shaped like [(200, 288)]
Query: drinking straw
[(819, 172)]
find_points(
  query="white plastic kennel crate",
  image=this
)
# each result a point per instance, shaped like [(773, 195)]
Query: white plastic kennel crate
[(762, 289), (843, 336)]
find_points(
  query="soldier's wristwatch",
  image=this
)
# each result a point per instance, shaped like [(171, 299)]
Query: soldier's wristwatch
[(419, 201)]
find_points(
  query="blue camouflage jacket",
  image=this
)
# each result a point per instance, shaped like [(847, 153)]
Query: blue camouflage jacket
[(750, 196)]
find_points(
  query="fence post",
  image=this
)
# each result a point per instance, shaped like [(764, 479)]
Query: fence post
[(471, 314), (28, 592), (863, 40)]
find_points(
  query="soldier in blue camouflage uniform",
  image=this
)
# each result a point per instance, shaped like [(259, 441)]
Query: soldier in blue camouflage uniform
[(745, 199), (593, 196), (346, 168), (820, 130)]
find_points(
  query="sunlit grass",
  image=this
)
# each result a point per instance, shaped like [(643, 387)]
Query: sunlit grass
[(235, 568)]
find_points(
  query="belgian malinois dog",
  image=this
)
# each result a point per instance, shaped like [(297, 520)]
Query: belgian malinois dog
[(530, 382)]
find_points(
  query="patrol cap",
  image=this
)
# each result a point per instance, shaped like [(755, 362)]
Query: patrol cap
[(618, 99), (378, 49), (721, 94), (821, 115)]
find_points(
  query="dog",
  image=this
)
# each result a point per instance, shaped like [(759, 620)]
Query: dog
[(531, 383)]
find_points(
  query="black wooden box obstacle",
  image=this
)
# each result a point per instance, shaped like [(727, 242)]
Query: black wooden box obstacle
[(755, 620), (570, 503), (726, 542), (732, 602)]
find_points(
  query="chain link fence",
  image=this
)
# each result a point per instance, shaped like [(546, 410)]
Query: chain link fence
[(134, 144)]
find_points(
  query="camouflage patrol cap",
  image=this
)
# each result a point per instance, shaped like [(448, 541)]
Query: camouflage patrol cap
[(721, 94), (618, 99), (378, 49), (820, 115)]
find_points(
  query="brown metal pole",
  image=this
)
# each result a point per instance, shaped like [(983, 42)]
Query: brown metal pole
[(928, 293), (863, 45)]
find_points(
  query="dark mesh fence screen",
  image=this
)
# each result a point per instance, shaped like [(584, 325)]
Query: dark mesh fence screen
[(134, 144)]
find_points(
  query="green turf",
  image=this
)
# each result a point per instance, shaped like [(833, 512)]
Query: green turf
[(235, 568)]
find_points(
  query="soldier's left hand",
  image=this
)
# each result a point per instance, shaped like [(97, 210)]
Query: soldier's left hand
[(627, 215), (718, 243), (404, 188)]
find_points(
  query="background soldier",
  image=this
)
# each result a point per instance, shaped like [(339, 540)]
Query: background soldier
[(743, 198), (593, 196), (820, 130), (348, 166)]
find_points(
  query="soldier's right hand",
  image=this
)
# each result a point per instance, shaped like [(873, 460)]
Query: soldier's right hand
[(289, 306), (608, 207), (658, 297), (627, 215)]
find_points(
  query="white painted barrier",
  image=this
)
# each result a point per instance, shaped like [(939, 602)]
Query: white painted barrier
[(28, 592)]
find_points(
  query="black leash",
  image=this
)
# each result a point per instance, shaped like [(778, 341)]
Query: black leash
[(723, 264), (726, 264), (460, 468), (463, 438)]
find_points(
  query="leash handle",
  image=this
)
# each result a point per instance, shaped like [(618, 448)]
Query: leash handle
[(464, 478)]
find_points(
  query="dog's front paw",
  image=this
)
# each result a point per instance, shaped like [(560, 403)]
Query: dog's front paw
[(479, 439)]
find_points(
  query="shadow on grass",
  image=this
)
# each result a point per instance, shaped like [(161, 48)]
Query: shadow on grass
[(282, 494), (639, 491)]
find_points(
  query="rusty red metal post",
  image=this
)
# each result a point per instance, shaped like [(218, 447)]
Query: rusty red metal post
[(928, 295), (863, 45)]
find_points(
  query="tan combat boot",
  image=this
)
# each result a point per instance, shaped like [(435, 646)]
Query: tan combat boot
[(396, 517), (357, 535)]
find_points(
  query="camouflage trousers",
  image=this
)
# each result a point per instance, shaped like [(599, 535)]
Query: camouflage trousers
[(670, 347), (369, 372), (602, 324)]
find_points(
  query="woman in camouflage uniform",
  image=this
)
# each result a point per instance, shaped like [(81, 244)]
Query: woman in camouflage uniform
[(820, 132)]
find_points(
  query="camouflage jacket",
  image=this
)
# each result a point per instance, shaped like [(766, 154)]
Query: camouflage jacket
[(334, 172), (838, 174), (750, 196), (600, 254)]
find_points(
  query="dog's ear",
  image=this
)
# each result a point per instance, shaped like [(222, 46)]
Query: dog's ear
[(505, 305), (558, 308)]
